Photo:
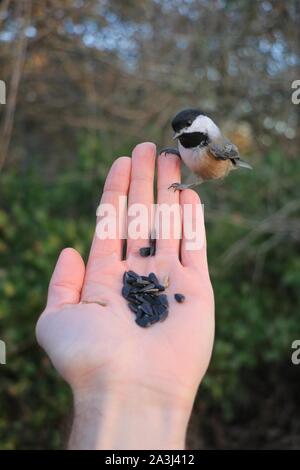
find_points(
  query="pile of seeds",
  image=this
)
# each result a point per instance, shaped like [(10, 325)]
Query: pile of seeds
[(145, 298)]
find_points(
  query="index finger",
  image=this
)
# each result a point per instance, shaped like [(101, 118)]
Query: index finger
[(116, 186), (141, 195)]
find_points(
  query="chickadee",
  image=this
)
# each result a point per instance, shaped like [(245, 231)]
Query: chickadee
[(203, 148)]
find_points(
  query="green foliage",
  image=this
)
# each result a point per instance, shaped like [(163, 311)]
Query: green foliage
[(256, 289)]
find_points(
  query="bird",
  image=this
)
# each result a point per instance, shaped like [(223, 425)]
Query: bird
[(203, 148)]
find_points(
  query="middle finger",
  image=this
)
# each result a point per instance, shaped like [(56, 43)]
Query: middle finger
[(140, 193)]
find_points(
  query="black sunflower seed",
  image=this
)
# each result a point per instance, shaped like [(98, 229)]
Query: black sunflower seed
[(149, 298), (143, 321), (132, 274), (128, 279), (148, 288), (138, 298), (163, 315), (164, 300), (126, 291), (133, 308), (155, 298), (155, 319), (133, 300), (135, 290), (152, 246), (161, 309), (157, 309), (146, 308), (145, 251), (139, 313), (160, 287), (179, 298), (140, 282), (152, 278)]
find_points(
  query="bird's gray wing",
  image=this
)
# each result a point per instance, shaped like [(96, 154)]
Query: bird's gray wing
[(226, 151)]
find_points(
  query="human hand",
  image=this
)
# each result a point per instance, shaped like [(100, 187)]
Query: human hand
[(138, 383)]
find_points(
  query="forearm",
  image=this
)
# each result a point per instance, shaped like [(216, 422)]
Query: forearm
[(127, 421)]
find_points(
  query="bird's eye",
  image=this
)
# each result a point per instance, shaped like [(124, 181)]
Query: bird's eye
[(189, 123)]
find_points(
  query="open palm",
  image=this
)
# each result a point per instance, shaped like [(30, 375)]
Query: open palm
[(98, 342)]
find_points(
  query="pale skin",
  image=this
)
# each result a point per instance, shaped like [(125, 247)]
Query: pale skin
[(133, 388)]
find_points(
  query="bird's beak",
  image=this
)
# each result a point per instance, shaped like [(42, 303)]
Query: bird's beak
[(176, 135)]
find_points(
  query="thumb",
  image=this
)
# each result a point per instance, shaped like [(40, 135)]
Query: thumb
[(67, 280)]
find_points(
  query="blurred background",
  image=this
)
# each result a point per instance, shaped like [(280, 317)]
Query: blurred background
[(86, 81)]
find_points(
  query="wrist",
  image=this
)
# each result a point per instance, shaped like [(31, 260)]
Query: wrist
[(131, 418)]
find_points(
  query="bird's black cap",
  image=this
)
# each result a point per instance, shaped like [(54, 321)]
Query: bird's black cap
[(185, 118)]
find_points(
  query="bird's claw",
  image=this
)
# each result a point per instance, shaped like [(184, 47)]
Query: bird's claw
[(181, 186), (170, 150), (176, 187)]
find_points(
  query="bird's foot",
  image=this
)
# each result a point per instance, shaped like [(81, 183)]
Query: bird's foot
[(181, 187), (171, 150)]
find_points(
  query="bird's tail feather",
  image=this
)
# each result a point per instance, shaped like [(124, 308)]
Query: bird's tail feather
[(243, 164)]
